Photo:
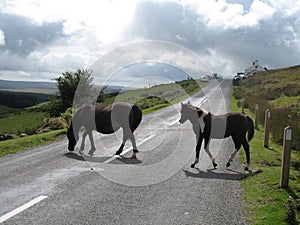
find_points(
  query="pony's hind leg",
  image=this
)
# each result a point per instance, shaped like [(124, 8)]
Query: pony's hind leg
[(231, 157), (120, 150), (93, 148), (237, 145), (247, 150), (83, 142), (206, 148), (127, 134), (132, 139)]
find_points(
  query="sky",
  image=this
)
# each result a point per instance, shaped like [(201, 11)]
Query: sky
[(40, 39)]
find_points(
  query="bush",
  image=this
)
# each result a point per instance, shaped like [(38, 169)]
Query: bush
[(283, 117), (290, 213), (238, 93)]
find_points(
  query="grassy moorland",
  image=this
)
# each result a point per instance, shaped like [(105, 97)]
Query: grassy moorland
[(279, 91), (21, 122), (267, 202), (158, 96)]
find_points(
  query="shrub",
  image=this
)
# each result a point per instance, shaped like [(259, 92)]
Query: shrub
[(283, 117)]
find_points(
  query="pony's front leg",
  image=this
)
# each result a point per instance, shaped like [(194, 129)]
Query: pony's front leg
[(93, 148), (237, 145), (206, 148), (83, 142), (198, 147)]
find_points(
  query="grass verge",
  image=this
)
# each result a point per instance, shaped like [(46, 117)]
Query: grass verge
[(266, 201), (20, 144)]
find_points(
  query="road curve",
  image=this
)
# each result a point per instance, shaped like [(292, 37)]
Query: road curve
[(49, 185)]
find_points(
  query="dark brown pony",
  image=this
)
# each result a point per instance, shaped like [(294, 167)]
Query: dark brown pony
[(207, 126), (105, 120)]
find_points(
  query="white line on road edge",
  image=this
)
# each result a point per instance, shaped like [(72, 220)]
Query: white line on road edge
[(128, 149), (22, 208)]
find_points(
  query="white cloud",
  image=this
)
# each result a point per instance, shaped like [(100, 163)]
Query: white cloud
[(231, 15), (54, 36), (104, 19), (2, 37)]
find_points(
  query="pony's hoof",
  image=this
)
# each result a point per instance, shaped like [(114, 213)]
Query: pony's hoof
[(133, 156), (193, 165), (228, 164), (246, 168), (118, 152), (80, 152), (215, 165), (92, 151)]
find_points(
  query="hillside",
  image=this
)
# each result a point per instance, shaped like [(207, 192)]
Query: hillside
[(157, 96), (21, 99), (8, 84), (279, 91)]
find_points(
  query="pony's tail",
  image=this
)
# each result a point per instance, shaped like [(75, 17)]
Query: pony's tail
[(250, 128), (137, 112)]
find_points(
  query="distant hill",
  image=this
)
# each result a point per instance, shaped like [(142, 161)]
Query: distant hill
[(45, 87), (7, 84), (21, 99)]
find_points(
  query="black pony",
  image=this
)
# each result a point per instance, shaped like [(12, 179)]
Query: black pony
[(105, 120), (207, 126)]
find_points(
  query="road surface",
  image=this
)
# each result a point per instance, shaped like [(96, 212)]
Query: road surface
[(49, 185)]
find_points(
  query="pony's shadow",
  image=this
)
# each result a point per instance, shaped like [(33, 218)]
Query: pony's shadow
[(102, 159), (210, 174), (126, 160)]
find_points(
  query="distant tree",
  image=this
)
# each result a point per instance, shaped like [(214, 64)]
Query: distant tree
[(101, 96), (67, 84)]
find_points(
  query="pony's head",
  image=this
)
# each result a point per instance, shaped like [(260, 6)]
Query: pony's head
[(72, 139), (186, 112)]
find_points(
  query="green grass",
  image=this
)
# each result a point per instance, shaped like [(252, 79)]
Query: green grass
[(285, 101), (158, 96), (266, 201), (21, 122), (20, 144)]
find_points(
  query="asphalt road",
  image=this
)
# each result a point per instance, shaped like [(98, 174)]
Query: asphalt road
[(49, 185)]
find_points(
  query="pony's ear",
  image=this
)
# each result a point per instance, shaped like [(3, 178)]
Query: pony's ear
[(181, 104), (189, 102)]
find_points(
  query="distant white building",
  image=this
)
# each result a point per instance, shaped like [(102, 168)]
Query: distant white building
[(254, 68)]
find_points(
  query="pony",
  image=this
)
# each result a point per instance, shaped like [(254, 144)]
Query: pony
[(208, 126), (105, 120)]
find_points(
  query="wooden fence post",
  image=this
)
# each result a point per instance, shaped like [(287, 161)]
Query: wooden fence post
[(286, 156), (267, 128), (256, 117), (243, 105)]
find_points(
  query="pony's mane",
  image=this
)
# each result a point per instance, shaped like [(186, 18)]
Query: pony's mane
[(192, 107), (196, 108)]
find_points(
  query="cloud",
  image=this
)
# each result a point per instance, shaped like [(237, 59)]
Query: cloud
[(225, 14), (50, 37), (227, 36), (2, 38), (23, 37)]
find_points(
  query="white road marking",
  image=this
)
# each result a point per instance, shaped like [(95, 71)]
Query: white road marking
[(22, 208), (128, 149)]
